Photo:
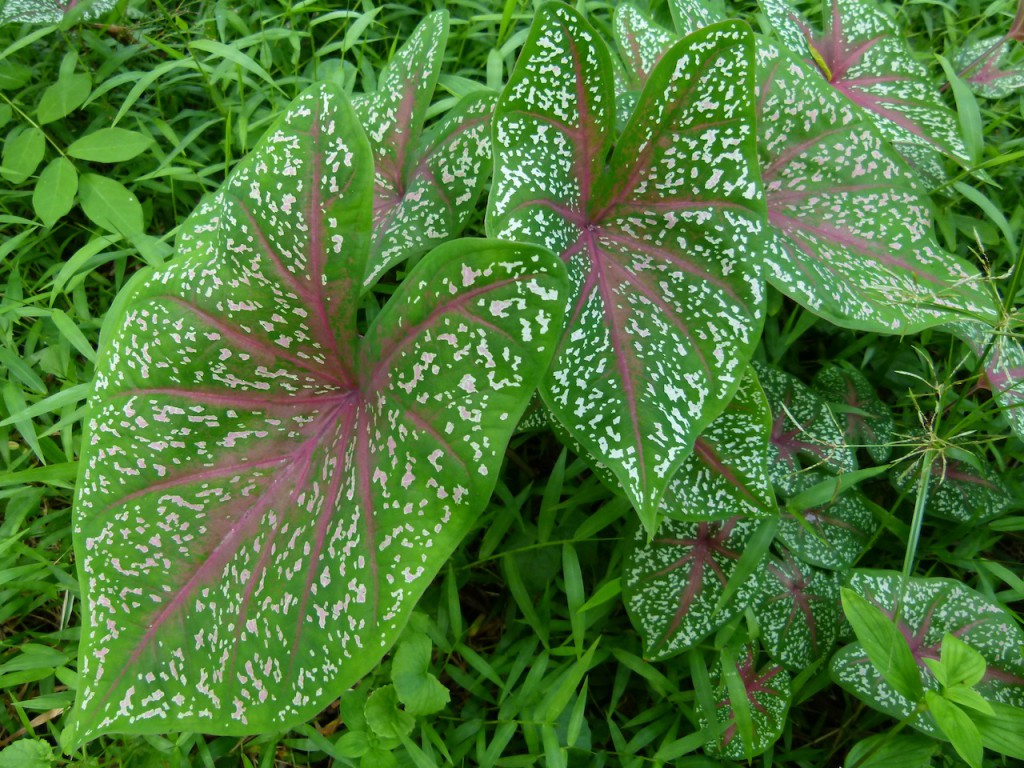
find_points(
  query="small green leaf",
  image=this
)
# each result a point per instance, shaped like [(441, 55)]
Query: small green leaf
[(110, 145), (23, 151), (13, 76), (965, 665), (884, 644), (1003, 731), (352, 744), (27, 753), (384, 717), (887, 751), (417, 688), (110, 205), (958, 728), (63, 97), (965, 696), (55, 191)]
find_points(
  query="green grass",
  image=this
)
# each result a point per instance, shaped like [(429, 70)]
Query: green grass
[(530, 633)]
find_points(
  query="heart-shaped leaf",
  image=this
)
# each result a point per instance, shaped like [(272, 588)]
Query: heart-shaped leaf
[(925, 610), (805, 435), (673, 582), (768, 691), (264, 494), (965, 491), (832, 535), (865, 57), (426, 184), (868, 421), (727, 473), (797, 611), (852, 235), (983, 65), (661, 239)]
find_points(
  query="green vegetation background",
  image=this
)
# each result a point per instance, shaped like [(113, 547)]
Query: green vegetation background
[(530, 634)]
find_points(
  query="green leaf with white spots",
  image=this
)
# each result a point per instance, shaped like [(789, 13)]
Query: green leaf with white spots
[(768, 691), (852, 234), (727, 473), (264, 493), (641, 44), (862, 55), (967, 491), (690, 15), (805, 436), (925, 610), (1003, 367), (673, 582), (426, 184), (51, 11), (984, 66), (833, 535), (867, 421), (661, 238), (797, 611)]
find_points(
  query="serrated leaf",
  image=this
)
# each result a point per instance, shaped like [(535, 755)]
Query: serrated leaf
[(868, 421), (23, 152), (768, 691), (110, 205), (926, 609), (264, 493), (830, 536), (727, 473), (958, 490), (419, 691), (50, 11), (55, 191), (63, 97), (661, 240), (804, 434), (983, 65), (426, 184), (673, 582), (110, 145), (863, 56), (797, 610), (852, 234)]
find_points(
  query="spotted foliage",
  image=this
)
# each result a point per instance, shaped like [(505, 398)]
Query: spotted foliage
[(925, 610), (690, 15), (797, 610), (727, 473), (264, 494), (673, 582), (641, 44), (864, 56), (1003, 367), (661, 239), (426, 185), (50, 11), (832, 535), (805, 436), (984, 65), (768, 691), (964, 489), (853, 240), (867, 420)]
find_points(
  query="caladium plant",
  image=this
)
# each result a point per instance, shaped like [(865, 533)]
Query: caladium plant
[(426, 185), (924, 611), (264, 492), (962, 489), (831, 535), (985, 66), (673, 583), (52, 11), (797, 611), (863, 55), (767, 692), (868, 421), (662, 238), (1003, 365)]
